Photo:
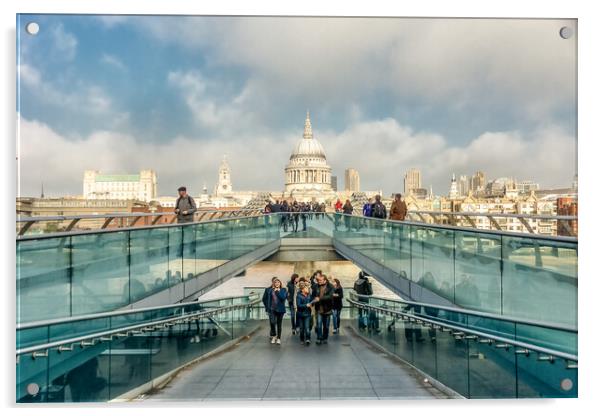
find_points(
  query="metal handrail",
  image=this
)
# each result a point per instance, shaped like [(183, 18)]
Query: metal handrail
[(469, 229), (124, 229), (121, 312), (109, 217), (121, 330), (125, 215), (501, 215), (478, 334), (543, 324)]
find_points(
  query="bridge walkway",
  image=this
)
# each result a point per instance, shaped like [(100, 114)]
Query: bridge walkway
[(346, 368)]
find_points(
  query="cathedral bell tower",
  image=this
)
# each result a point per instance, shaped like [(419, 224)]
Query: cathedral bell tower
[(224, 182)]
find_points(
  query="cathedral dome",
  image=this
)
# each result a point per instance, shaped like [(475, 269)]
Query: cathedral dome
[(308, 146)]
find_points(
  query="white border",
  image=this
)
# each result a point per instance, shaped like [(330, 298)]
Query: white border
[(590, 34)]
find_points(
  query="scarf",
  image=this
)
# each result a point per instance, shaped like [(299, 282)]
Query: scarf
[(274, 300)]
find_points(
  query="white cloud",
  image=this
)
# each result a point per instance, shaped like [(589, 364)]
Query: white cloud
[(84, 99), (113, 61), (60, 161), (521, 64), (381, 150), (65, 43), (28, 75), (110, 21), (210, 108)]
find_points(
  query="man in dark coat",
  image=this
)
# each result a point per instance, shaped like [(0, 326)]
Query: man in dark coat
[(322, 295)]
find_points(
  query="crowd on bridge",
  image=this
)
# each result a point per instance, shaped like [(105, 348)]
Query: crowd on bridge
[(294, 212), (313, 303)]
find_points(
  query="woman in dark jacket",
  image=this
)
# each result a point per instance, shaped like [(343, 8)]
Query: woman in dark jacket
[(348, 209), (337, 306), (291, 289), (274, 300)]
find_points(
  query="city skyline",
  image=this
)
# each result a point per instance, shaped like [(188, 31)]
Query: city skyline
[(113, 107)]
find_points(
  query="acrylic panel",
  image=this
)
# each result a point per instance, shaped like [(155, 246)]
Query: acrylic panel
[(188, 184)]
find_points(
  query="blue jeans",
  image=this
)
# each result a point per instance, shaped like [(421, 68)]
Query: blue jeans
[(322, 326), (336, 318), (304, 327)]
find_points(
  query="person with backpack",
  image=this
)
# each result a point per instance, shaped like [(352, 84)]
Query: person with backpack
[(363, 288), (274, 298), (276, 207), (185, 206), (378, 208)]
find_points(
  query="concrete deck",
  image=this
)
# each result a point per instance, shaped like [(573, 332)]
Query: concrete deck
[(345, 368)]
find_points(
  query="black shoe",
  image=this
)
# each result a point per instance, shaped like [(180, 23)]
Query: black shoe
[(307, 343), (318, 342)]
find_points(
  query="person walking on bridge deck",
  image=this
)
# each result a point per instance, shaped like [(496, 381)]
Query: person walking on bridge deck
[(185, 206), (295, 210), (267, 210), (323, 304), (274, 298), (337, 306), (399, 209), (363, 288), (291, 290), (348, 210), (304, 306), (284, 219), (378, 208)]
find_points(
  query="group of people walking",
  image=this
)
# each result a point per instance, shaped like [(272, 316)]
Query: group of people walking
[(294, 212), (376, 208), (312, 302), (373, 209)]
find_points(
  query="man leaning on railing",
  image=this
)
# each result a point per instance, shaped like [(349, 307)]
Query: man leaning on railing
[(185, 206)]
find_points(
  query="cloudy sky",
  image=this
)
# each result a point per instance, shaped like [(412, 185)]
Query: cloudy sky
[(173, 94)]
